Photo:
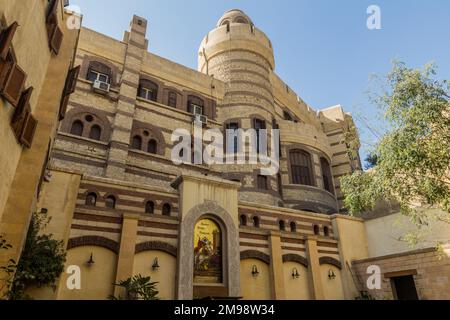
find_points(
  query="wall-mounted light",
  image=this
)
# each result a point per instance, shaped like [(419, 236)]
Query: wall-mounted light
[(155, 265), (331, 274), (295, 274), (91, 261), (255, 271)]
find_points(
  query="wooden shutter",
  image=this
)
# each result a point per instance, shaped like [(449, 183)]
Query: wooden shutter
[(63, 107), (56, 40), (5, 69), (71, 80), (69, 88), (6, 38), (51, 13), (44, 167), (19, 116), (14, 85), (28, 131)]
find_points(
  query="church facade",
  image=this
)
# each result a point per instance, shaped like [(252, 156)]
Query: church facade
[(199, 230), (123, 207)]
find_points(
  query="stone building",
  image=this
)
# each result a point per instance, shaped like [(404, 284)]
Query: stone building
[(123, 207), (37, 52)]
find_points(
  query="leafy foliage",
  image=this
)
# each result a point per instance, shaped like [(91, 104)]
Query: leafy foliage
[(42, 260), (6, 272), (413, 156), (137, 288)]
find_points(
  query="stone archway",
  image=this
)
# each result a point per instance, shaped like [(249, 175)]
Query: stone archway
[(231, 256)]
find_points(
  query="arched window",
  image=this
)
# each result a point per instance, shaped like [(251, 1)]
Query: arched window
[(241, 20), (96, 132), (316, 230), (256, 222), (166, 209), (195, 105), (282, 225), (99, 72), (77, 128), (293, 226), (326, 175), (152, 146), (301, 168), (91, 199), (172, 99), (232, 145), (326, 231), (258, 125), (150, 207), (148, 90), (136, 143), (243, 220), (110, 202)]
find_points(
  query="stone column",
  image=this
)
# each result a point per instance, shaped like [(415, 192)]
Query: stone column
[(123, 120), (125, 260), (276, 266), (314, 268)]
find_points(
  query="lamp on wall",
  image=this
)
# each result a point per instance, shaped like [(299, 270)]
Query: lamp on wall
[(255, 271), (155, 265), (331, 274), (91, 261), (295, 274)]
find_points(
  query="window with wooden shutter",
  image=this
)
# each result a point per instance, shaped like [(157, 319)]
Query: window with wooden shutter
[(5, 68), (5, 40), (28, 130), (56, 40), (54, 33), (69, 88), (19, 117), (51, 11), (14, 84), (71, 80)]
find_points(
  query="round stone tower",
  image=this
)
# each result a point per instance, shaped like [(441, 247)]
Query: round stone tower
[(241, 55)]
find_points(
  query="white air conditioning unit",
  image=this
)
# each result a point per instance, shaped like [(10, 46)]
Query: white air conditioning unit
[(199, 118), (197, 110), (100, 86)]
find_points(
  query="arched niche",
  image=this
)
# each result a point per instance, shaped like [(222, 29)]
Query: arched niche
[(230, 284)]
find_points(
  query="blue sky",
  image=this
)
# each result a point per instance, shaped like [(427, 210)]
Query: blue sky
[(323, 49)]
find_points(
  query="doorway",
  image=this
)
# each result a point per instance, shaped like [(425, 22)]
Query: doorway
[(404, 288)]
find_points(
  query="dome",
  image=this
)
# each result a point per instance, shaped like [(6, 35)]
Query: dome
[(234, 16)]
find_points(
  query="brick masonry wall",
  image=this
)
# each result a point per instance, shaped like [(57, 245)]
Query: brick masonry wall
[(431, 268)]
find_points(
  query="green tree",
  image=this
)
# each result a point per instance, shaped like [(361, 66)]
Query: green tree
[(42, 260), (137, 288), (371, 160), (413, 157)]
